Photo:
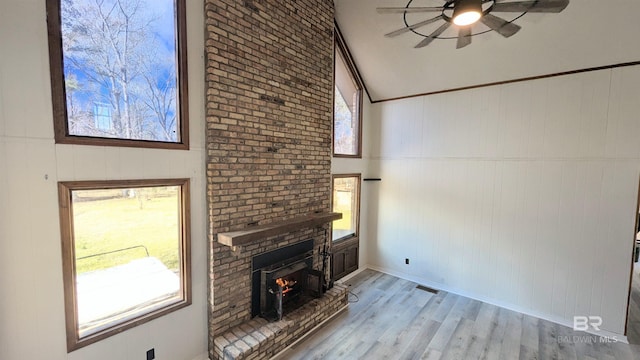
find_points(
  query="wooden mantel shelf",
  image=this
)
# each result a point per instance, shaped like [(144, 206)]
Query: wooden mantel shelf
[(260, 232)]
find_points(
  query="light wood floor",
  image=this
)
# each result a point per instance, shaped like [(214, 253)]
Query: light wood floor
[(392, 319)]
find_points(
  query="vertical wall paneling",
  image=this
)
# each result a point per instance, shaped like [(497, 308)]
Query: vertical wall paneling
[(18, 246), (520, 194), (623, 124), (24, 64), (2, 101), (32, 320)]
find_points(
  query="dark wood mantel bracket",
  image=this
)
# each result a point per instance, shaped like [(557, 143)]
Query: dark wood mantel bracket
[(261, 232)]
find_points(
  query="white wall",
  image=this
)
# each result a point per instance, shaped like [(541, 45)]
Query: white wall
[(31, 300), (522, 195)]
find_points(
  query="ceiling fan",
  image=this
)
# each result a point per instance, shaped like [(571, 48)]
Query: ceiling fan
[(465, 13)]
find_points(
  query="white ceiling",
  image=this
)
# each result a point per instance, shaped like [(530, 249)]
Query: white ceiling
[(588, 33)]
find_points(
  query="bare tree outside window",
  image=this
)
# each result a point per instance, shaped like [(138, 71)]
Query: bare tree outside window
[(125, 56), (345, 125), (347, 105)]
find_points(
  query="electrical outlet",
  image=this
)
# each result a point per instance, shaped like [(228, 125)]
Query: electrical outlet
[(151, 354), (406, 261)]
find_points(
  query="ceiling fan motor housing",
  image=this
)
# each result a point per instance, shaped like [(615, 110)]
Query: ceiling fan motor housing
[(466, 12)]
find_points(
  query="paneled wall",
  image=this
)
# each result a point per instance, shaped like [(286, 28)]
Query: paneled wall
[(523, 195), (32, 321)]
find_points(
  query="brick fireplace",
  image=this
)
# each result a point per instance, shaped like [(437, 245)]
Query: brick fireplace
[(269, 69)]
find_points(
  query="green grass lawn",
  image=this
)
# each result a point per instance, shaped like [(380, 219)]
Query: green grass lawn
[(115, 223)]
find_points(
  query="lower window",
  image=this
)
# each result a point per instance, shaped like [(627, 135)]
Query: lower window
[(346, 200), (126, 254)]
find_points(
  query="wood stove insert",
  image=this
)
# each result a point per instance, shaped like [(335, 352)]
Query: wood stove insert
[(283, 280)]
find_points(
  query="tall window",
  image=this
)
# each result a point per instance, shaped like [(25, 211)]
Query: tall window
[(118, 72), (126, 256), (347, 113), (346, 200)]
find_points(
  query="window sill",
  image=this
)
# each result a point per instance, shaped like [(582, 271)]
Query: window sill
[(345, 241), (345, 156)]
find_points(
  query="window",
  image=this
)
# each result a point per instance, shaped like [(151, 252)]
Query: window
[(126, 255), (118, 72), (347, 104), (346, 200)]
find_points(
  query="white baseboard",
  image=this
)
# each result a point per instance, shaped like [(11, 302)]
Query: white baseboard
[(554, 319), (351, 274), (204, 356)]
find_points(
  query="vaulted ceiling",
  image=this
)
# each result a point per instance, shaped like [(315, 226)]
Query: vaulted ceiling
[(587, 34)]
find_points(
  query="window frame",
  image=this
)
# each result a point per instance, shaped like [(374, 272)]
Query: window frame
[(356, 234), (341, 46), (65, 189), (58, 90)]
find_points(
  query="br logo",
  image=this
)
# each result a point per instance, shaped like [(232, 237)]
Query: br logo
[(583, 323)]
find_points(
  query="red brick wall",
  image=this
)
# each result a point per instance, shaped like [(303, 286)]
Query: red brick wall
[(269, 105)]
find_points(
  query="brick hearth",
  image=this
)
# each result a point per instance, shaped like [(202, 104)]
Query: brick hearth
[(260, 339)]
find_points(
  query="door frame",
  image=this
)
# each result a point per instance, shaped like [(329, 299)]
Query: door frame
[(633, 255)]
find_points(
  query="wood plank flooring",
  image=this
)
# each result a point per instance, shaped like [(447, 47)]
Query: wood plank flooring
[(389, 318)]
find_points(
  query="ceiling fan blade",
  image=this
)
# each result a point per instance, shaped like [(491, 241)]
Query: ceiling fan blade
[(433, 35), (540, 6), (413, 27), (501, 26), (395, 10), (464, 37)]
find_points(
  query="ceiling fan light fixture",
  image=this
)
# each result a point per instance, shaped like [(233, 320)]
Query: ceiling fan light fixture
[(467, 12)]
